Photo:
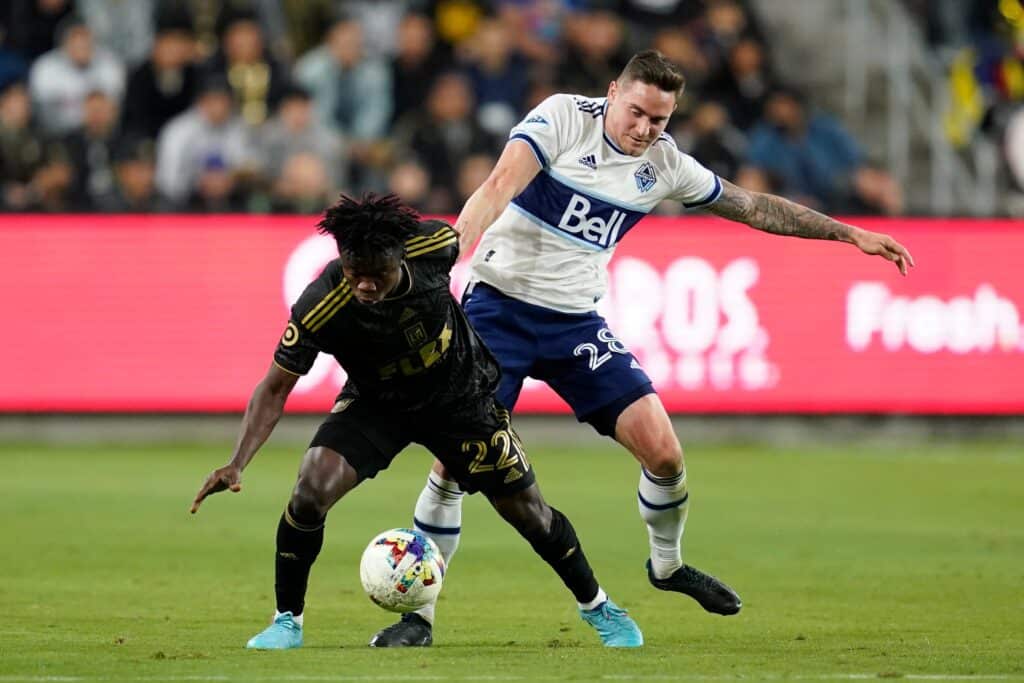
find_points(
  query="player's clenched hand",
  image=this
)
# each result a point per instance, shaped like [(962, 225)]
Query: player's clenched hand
[(222, 478), (882, 245)]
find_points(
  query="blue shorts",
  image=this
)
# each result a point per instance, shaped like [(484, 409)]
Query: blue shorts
[(575, 354)]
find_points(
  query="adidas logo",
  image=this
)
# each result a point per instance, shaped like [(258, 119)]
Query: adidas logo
[(406, 315), (589, 161), (512, 475), (537, 119)]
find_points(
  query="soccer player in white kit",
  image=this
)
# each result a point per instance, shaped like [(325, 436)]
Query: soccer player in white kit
[(576, 175)]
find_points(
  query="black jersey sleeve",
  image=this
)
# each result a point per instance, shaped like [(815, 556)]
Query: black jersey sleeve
[(437, 242), (297, 350), (298, 347)]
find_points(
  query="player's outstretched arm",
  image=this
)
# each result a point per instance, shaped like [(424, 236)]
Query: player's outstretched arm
[(516, 167), (266, 405), (780, 216)]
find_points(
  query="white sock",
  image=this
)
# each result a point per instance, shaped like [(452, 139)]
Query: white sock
[(598, 599), (297, 618), (438, 514), (663, 504)]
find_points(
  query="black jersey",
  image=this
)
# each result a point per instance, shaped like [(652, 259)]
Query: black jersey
[(412, 349)]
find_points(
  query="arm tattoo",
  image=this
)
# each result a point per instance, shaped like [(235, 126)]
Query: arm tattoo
[(777, 215)]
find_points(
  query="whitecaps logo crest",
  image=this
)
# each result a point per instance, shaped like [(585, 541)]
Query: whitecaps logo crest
[(645, 177)]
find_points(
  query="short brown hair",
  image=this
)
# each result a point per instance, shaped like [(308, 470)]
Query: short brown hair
[(651, 67)]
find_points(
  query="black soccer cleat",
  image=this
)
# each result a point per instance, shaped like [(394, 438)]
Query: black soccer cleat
[(412, 630), (712, 594)]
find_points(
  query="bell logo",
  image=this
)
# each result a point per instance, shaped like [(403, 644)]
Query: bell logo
[(577, 221)]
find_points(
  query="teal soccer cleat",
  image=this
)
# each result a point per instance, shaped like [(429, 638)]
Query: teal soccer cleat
[(283, 634), (614, 626)]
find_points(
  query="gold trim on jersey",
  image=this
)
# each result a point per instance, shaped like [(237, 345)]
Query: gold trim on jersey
[(328, 306), (336, 292), (413, 241), (290, 372), (434, 245), (329, 312)]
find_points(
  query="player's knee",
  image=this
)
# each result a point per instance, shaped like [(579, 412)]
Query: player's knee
[(527, 513), (558, 541), (663, 457), (307, 504), (535, 522), (311, 498)]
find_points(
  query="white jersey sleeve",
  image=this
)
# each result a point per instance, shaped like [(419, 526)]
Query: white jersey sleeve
[(552, 128), (694, 185)]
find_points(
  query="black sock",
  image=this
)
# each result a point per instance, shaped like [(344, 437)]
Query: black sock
[(298, 544), (562, 550)]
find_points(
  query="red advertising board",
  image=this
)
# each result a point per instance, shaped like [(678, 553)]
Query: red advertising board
[(182, 313)]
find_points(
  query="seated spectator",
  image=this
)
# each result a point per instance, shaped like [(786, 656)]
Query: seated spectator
[(61, 78), (209, 19), (304, 185), (757, 180), (201, 152), (536, 27), (709, 136), (295, 131), (135, 177), (34, 173), (723, 25), (90, 151), (411, 181), (303, 26), (595, 53), (416, 65), (165, 85), (680, 49), (742, 84), (256, 78), (817, 160), (33, 24), (352, 92), (498, 75), (379, 20), (444, 134), (13, 66), (651, 15), (125, 28), (472, 173)]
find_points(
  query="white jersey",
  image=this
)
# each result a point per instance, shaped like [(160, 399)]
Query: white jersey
[(551, 246)]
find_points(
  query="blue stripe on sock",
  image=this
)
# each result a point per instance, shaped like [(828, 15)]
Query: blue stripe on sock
[(431, 529), (659, 481), (442, 491), (666, 506)]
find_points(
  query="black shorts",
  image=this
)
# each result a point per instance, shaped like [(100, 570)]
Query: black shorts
[(475, 442)]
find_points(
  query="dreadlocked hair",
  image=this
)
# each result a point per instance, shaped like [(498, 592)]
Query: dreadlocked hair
[(369, 226)]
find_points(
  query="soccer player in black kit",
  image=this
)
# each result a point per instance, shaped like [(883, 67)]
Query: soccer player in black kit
[(417, 373)]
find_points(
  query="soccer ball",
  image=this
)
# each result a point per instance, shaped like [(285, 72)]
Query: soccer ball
[(401, 570)]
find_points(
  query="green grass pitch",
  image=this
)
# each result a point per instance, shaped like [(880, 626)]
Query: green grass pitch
[(852, 563)]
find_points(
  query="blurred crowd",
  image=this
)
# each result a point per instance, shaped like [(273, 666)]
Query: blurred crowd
[(277, 105), (981, 43)]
